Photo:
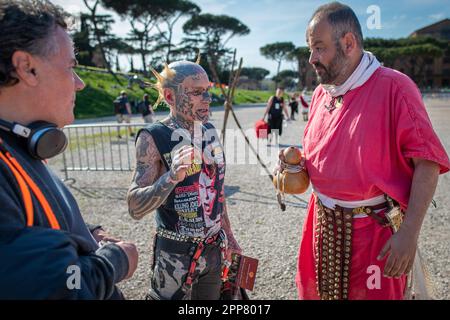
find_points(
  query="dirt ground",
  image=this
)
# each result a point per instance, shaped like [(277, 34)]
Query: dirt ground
[(263, 231)]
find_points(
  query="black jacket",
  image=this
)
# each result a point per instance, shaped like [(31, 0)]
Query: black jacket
[(36, 262)]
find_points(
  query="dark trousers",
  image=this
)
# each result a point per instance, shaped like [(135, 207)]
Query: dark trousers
[(275, 123), (293, 111), (171, 263)]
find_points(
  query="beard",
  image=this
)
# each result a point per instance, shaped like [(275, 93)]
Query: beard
[(336, 68)]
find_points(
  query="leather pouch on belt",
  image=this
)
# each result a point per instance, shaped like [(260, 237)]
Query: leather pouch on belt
[(395, 217), (394, 214)]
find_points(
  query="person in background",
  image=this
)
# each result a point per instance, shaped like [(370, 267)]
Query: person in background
[(123, 112), (293, 104), (305, 106), (146, 109), (275, 108)]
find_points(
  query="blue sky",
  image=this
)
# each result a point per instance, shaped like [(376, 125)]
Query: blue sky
[(286, 20)]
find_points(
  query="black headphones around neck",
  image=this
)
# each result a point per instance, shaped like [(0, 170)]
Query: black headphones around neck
[(44, 139)]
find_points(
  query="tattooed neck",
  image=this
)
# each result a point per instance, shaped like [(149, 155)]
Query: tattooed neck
[(177, 122)]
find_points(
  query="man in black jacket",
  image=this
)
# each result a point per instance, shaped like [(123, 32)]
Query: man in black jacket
[(46, 249)]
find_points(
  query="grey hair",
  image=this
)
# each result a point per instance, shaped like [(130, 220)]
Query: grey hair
[(342, 20), (30, 26)]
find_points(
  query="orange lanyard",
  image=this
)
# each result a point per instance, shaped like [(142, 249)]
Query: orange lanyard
[(25, 184)]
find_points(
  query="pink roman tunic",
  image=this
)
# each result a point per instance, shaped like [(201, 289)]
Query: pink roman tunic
[(358, 151)]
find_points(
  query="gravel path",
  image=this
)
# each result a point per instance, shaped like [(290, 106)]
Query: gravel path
[(263, 231)]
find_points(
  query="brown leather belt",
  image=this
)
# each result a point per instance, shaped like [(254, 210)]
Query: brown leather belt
[(368, 210)]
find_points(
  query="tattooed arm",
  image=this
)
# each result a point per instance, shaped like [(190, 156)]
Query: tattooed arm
[(233, 246), (151, 184)]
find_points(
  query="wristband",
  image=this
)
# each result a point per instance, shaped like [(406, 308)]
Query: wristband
[(171, 178)]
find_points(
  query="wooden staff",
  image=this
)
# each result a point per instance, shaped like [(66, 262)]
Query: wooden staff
[(229, 96)]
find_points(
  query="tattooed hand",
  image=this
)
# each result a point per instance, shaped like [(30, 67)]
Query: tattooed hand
[(233, 246), (181, 162)]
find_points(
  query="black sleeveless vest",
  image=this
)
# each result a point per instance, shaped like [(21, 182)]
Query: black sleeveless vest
[(194, 208), (276, 109)]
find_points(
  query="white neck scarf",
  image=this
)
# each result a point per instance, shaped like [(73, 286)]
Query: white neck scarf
[(362, 73)]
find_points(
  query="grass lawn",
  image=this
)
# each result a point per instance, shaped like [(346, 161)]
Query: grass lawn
[(96, 100)]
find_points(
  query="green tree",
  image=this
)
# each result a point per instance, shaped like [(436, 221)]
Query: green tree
[(82, 42), (257, 74), (115, 47), (214, 31), (411, 52), (286, 78), (101, 25), (301, 56), (278, 51), (142, 15), (211, 33), (173, 12), (142, 38)]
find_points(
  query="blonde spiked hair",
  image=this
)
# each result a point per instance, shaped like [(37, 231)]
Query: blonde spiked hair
[(168, 75)]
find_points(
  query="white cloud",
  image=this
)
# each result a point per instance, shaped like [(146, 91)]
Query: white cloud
[(436, 16)]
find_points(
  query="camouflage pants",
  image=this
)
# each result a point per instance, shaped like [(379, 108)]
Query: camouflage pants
[(171, 261)]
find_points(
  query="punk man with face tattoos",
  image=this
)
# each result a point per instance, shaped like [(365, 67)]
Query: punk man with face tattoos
[(171, 154)]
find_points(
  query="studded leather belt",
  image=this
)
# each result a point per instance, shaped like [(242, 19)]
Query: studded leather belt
[(333, 247), (172, 235)]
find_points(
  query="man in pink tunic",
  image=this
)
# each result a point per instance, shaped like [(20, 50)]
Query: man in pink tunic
[(368, 136)]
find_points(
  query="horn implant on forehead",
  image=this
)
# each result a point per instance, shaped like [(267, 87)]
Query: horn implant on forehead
[(158, 86), (169, 73), (199, 57), (157, 75), (161, 78)]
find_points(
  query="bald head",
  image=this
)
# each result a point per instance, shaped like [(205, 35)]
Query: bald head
[(184, 85), (180, 71)]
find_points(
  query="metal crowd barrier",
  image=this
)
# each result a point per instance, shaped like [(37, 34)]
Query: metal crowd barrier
[(436, 95), (99, 147)]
